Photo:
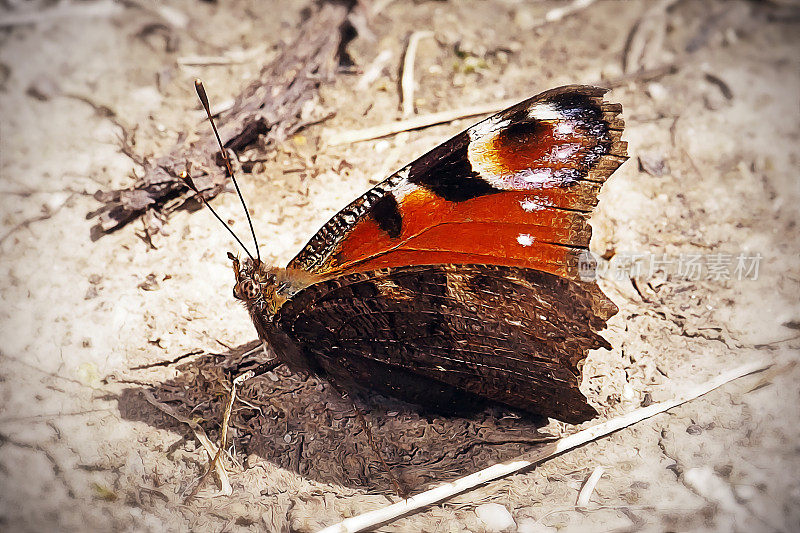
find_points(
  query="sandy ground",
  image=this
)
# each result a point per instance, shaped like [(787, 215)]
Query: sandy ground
[(714, 164)]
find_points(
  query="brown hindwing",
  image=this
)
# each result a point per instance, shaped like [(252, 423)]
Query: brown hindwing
[(443, 335)]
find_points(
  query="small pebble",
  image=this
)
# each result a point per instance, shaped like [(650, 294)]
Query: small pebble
[(653, 164), (150, 283), (657, 91), (628, 393), (43, 89), (495, 517), (694, 429), (647, 400)]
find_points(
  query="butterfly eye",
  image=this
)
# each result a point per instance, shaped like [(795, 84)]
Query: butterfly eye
[(248, 289)]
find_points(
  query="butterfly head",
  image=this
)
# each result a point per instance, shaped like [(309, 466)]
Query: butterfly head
[(258, 286)]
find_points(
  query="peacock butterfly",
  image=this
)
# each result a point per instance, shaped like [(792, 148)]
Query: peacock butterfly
[(456, 280)]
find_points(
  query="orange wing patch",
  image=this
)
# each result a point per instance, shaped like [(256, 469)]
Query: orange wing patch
[(514, 228)]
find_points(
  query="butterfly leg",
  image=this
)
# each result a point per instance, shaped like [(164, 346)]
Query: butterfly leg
[(260, 370)]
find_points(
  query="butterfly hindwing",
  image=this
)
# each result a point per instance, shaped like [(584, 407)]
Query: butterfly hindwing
[(515, 189), (444, 334)]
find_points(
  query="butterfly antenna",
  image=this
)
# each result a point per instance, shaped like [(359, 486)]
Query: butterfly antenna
[(201, 93), (189, 182)]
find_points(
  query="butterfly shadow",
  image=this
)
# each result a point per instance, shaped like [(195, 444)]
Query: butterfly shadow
[(301, 424)]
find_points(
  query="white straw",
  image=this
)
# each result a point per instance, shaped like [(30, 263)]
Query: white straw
[(379, 516)]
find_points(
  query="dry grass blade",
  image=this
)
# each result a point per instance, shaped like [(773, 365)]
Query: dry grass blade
[(423, 121), (588, 488), (646, 39), (407, 80), (438, 494), (559, 13), (420, 121), (373, 71), (212, 450)]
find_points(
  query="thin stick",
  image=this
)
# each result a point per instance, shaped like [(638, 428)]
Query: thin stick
[(168, 362), (435, 495), (200, 434), (559, 13), (420, 121), (407, 80), (373, 71), (206, 61), (588, 488), (431, 119), (399, 489), (49, 213), (228, 58), (217, 464), (216, 110)]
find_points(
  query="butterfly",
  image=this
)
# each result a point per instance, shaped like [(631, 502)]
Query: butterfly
[(456, 280)]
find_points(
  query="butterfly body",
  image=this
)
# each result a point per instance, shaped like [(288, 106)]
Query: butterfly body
[(456, 280)]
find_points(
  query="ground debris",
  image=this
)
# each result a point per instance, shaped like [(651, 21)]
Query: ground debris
[(270, 106)]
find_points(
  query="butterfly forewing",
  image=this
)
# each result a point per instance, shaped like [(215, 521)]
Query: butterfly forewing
[(515, 189)]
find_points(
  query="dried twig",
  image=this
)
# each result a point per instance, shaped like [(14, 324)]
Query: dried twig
[(228, 58), (202, 437), (559, 13), (206, 61), (48, 212), (588, 488), (269, 106), (54, 416), (216, 463), (431, 119), (24, 224), (407, 79), (373, 71), (420, 121), (646, 39), (169, 362), (172, 16), (430, 497)]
